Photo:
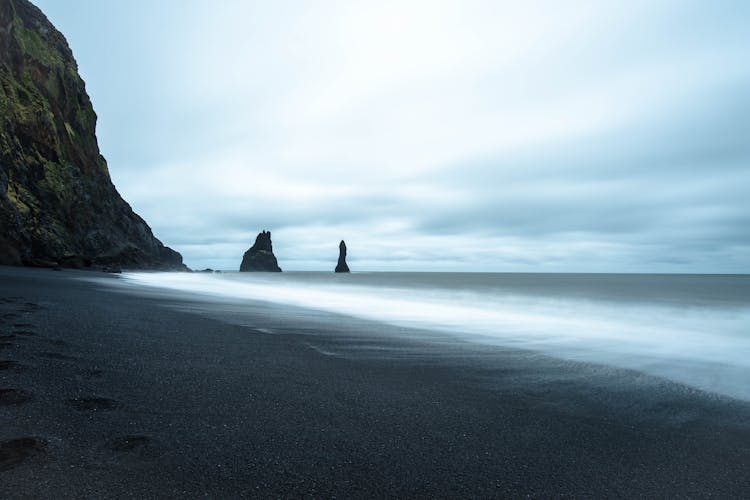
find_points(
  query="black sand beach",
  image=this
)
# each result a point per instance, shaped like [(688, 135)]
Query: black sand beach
[(106, 394)]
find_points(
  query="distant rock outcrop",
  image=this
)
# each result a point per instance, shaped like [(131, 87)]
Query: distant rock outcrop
[(260, 256), (58, 206), (341, 267)]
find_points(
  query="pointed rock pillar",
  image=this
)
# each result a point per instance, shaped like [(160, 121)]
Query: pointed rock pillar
[(341, 267)]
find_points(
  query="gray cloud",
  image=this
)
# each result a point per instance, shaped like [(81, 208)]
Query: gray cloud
[(474, 137)]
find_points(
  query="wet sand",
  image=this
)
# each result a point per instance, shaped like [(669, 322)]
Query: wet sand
[(106, 394)]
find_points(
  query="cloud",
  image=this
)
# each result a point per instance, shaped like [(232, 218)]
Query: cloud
[(430, 135)]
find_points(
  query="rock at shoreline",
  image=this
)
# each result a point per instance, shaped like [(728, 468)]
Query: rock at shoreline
[(260, 256), (341, 267), (58, 206)]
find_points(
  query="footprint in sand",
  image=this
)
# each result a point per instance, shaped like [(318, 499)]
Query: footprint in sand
[(25, 333), (8, 365), (134, 447), (15, 451), (92, 403), (56, 355), (30, 307), (54, 342), (14, 397)]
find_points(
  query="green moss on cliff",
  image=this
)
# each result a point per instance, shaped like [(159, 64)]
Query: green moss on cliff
[(35, 47), (15, 198), (28, 92), (52, 85), (6, 95), (86, 119), (54, 236), (59, 181), (71, 132)]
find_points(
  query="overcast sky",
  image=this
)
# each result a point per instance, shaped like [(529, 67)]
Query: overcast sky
[(475, 136)]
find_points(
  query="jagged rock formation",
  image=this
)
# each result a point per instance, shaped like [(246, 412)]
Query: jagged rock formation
[(58, 205), (260, 257), (341, 267)]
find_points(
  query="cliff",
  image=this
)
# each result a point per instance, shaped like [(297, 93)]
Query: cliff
[(260, 256), (58, 205)]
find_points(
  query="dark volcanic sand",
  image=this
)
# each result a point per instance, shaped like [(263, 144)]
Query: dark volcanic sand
[(115, 395)]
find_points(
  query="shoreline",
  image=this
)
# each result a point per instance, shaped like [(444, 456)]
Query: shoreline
[(691, 330), (125, 396)]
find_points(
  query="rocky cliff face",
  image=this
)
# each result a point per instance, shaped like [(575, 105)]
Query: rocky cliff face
[(260, 257), (341, 266), (57, 202)]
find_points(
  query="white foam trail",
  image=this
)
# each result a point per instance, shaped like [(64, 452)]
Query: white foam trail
[(705, 347)]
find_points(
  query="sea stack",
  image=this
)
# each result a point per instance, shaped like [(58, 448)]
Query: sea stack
[(260, 257), (341, 267), (58, 206)]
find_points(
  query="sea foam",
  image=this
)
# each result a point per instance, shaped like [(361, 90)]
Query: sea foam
[(702, 343)]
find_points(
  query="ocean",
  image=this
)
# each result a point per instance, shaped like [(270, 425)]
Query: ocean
[(691, 329)]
